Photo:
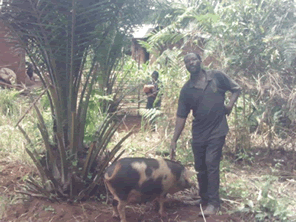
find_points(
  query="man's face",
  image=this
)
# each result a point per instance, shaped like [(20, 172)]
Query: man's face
[(192, 63), (154, 77)]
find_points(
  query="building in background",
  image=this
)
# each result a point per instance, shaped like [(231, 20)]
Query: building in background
[(190, 44), (139, 53), (12, 56)]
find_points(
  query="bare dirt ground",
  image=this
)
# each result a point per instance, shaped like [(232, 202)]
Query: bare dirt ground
[(131, 122), (37, 210)]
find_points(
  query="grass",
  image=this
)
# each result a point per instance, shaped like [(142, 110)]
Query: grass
[(12, 143), (255, 191), (3, 202), (249, 191)]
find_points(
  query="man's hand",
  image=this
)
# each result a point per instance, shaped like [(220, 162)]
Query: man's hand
[(228, 109), (180, 123), (173, 150), (232, 100)]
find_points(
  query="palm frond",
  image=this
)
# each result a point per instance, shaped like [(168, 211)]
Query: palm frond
[(72, 44)]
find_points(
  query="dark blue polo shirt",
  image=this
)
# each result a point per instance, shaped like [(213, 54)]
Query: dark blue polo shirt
[(207, 105)]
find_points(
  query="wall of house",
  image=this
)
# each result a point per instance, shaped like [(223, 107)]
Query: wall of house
[(138, 52), (11, 56)]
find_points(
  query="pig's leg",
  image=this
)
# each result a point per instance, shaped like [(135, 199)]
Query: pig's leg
[(115, 210), (161, 211), (121, 210)]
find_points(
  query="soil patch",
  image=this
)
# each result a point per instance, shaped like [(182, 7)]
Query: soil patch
[(261, 159), (12, 176), (40, 211), (130, 122)]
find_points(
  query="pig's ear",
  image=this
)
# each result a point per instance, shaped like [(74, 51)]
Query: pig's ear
[(190, 173)]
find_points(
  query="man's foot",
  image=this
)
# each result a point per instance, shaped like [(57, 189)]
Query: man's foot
[(210, 210)]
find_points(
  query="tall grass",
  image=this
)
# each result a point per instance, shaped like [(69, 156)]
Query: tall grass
[(12, 143)]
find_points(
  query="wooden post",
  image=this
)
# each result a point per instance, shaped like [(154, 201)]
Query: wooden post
[(139, 102)]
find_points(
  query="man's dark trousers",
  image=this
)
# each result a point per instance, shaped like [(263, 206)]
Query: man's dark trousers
[(150, 101), (207, 157)]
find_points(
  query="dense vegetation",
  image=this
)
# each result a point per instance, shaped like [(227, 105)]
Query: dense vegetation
[(82, 63)]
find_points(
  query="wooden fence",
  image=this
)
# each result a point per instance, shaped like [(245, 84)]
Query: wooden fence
[(134, 101)]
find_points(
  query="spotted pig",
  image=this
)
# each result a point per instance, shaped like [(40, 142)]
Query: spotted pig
[(138, 180)]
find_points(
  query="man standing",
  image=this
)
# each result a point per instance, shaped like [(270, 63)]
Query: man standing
[(204, 94), (152, 92), (30, 70)]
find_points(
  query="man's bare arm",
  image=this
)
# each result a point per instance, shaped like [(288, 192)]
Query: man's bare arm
[(180, 123), (232, 100)]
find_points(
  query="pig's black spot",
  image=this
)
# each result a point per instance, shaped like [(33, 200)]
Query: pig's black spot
[(125, 180), (114, 203), (148, 171), (151, 187), (165, 177), (176, 168)]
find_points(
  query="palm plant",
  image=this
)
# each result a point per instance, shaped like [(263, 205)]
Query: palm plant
[(74, 46), (182, 23)]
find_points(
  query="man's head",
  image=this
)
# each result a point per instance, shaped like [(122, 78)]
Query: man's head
[(192, 62), (155, 75)]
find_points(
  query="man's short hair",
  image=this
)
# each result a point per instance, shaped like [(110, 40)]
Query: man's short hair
[(195, 53), (155, 73)]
